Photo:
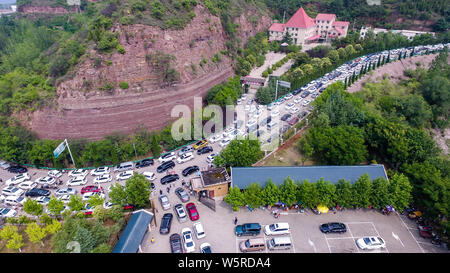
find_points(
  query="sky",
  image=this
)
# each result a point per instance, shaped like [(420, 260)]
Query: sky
[(7, 1)]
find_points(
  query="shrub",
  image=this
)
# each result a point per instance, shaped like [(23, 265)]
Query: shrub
[(120, 49), (123, 85)]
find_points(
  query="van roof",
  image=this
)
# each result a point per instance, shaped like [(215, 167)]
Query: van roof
[(256, 240), (282, 225), (281, 240)]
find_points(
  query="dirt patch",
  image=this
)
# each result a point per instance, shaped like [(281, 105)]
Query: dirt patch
[(442, 138)]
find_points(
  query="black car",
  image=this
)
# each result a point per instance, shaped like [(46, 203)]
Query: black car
[(17, 169), (190, 170), (286, 117), (204, 150), (333, 228), (165, 166), (166, 222), (248, 229), (175, 243), (169, 178), (36, 192), (305, 94), (144, 163), (296, 91), (266, 121)]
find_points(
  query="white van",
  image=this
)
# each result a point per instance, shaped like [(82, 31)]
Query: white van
[(125, 166), (14, 200), (279, 243)]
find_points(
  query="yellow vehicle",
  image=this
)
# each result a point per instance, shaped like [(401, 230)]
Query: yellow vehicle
[(202, 143)]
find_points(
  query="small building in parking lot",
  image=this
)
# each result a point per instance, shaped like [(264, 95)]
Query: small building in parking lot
[(211, 183), (243, 177), (131, 238)]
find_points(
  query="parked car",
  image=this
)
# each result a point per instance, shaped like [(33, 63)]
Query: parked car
[(55, 173), (4, 165), (88, 195), (277, 229), (166, 222), (302, 114), (185, 158), (200, 144), (165, 203), (169, 178), (11, 190), (43, 200), (46, 180), (144, 163), (247, 229), (102, 179), (64, 191), (124, 166), (17, 179), (224, 142), (215, 138), (185, 149), (286, 117), (167, 157), (149, 175), (189, 244), (180, 212), (175, 243), (189, 170), (372, 242), (293, 121), (7, 212), (256, 244), (36, 192), (124, 175), (192, 212), (17, 169), (204, 150), (165, 166), (205, 248), (100, 171), (65, 198), (333, 228), (210, 158), (182, 194), (199, 230), (27, 185), (76, 181), (78, 173), (91, 189)]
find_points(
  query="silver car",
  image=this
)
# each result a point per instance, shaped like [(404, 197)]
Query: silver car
[(180, 212), (165, 203)]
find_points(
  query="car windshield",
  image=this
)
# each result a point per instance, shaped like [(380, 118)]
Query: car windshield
[(247, 243), (272, 227), (367, 241), (194, 213)]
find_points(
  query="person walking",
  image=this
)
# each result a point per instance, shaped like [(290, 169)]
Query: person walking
[(235, 220), (160, 192)]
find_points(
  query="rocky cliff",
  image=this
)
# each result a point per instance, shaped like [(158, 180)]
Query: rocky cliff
[(86, 110)]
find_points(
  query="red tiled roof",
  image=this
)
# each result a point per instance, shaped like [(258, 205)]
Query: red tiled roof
[(339, 30), (313, 37), (340, 23), (300, 20), (325, 16), (277, 27)]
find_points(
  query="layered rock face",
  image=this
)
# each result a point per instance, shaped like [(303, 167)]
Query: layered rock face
[(83, 110)]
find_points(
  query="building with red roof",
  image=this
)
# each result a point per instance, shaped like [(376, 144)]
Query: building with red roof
[(303, 28)]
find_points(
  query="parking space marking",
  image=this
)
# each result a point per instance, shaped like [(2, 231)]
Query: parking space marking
[(351, 234), (410, 232), (329, 248)]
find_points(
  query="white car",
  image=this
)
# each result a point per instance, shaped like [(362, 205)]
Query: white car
[(76, 181), (294, 110), (297, 100), (199, 230), (107, 205), (189, 244), (277, 229), (225, 142), (43, 200), (205, 248), (289, 106), (46, 180), (4, 165), (288, 96), (124, 175), (65, 198), (7, 212), (102, 179), (275, 113), (210, 158), (371, 243), (65, 191), (55, 174), (78, 173), (149, 175), (167, 157), (235, 134), (185, 157), (27, 185), (88, 195), (215, 138), (251, 122), (247, 107), (12, 191), (17, 179), (305, 102), (100, 171)]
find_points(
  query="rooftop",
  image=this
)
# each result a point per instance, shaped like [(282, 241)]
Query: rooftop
[(300, 20), (243, 177), (215, 176), (326, 16), (277, 27), (134, 232)]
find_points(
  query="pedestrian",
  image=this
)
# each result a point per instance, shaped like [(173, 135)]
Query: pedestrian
[(167, 189), (160, 192), (153, 240), (235, 220)]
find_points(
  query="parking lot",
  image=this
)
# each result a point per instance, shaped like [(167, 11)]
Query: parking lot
[(305, 234)]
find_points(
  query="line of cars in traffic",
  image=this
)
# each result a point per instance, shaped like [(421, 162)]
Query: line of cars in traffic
[(283, 242)]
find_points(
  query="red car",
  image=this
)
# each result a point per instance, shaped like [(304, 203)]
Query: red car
[(91, 189), (293, 121), (192, 211)]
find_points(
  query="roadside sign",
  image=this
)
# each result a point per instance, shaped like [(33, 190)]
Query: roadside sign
[(61, 147), (285, 84)]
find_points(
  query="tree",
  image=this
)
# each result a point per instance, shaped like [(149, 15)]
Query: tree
[(32, 207), (35, 233), (115, 213), (118, 195), (307, 194), (252, 195), (95, 200), (305, 149), (54, 227), (286, 38), (400, 191), (333, 55), (380, 197), (102, 248), (15, 242), (137, 190), (270, 195), (288, 192), (85, 238), (344, 194), (235, 198), (99, 213), (361, 191), (326, 192), (76, 203), (55, 206), (239, 153), (7, 232)]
